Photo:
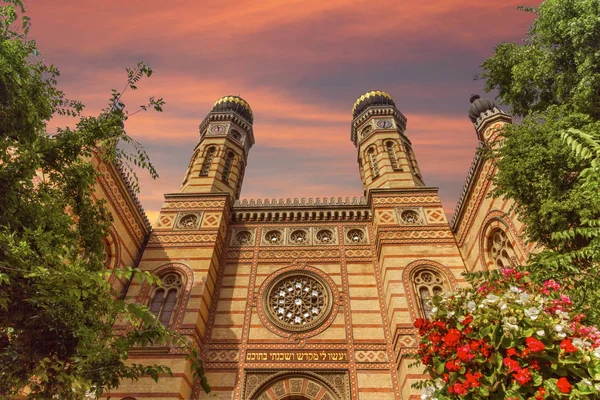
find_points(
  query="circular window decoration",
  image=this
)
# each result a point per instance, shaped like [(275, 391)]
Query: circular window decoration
[(243, 237), (355, 235), (273, 237), (325, 236), (299, 236), (297, 301), (410, 217), (188, 221)]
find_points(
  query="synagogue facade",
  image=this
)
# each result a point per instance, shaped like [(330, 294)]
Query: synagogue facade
[(304, 299)]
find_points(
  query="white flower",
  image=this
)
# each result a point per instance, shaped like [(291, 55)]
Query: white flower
[(540, 333), (439, 384), (523, 298), (597, 352), (558, 328), (562, 335), (515, 289), (532, 313), (491, 298), (451, 314), (428, 392), (434, 310), (580, 344), (503, 306), (510, 327), (586, 382), (471, 305)]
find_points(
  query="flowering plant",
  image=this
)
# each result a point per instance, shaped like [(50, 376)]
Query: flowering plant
[(508, 338)]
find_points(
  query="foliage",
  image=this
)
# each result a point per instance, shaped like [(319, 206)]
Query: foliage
[(546, 163), (558, 64), (508, 337), (57, 309)]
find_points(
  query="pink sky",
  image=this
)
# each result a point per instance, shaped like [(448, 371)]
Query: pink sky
[(299, 64)]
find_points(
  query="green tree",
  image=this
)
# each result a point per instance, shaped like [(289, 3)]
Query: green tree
[(57, 309), (548, 162)]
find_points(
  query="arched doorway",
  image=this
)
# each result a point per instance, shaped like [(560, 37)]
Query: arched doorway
[(298, 386)]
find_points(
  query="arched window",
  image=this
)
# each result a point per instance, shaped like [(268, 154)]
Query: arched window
[(164, 299), (428, 283), (241, 169), (501, 250), (392, 154), (210, 154), (227, 167), (373, 162), (412, 160)]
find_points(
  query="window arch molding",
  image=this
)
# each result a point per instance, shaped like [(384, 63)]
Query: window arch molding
[(498, 220), (187, 277), (411, 272), (371, 158), (210, 152)]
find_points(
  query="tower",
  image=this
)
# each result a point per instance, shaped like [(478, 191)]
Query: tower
[(220, 157), (386, 159)]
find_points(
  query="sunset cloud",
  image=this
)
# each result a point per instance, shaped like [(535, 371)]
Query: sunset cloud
[(300, 64)]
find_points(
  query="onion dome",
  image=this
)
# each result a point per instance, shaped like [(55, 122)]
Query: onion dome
[(236, 104), (479, 106), (372, 98)]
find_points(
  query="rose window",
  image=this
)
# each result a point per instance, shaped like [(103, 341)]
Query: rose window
[(243, 237), (273, 237), (298, 300), (355, 235), (325, 236), (188, 222), (410, 217), (299, 236)]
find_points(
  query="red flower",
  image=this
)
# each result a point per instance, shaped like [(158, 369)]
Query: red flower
[(541, 393), (511, 352), (534, 345), (512, 365), (522, 376), (563, 385), (464, 353), (458, 388), (421, 323), (473, 379), (568, 347), (468, 319), (452, 337), (453, 365)]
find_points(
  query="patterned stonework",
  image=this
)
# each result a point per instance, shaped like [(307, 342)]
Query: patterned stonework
[(371, 356)]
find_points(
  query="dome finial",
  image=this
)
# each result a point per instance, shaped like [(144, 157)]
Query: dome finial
[(234, 103), (479, 106), (372, 98), (473, 98)]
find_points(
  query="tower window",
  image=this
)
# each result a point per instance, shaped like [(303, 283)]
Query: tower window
[(236, 135), (392, 154), (428, 283), (412, 160), (165, 298), (373, 162), (227, 167), (210, 154)]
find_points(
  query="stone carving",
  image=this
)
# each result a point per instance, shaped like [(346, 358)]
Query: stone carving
[(410, 216), (243, 237), (355, 236)]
